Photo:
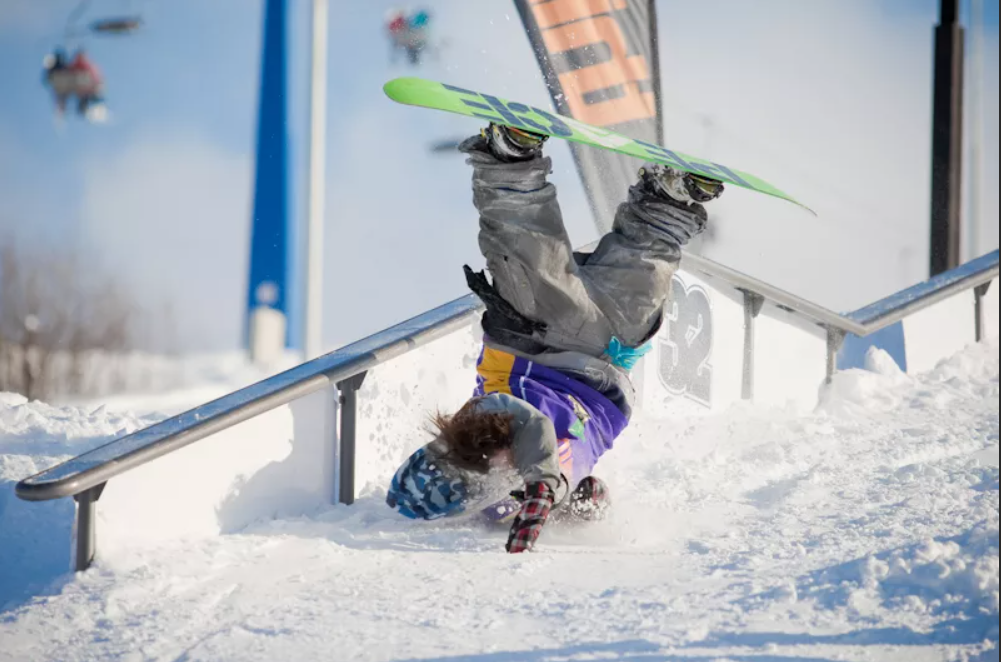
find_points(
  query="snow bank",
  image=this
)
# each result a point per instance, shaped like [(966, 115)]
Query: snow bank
[(35, 537), (884, 386), (942, 577), (866, 529), (196, 492), (279, 464), (221, 484)]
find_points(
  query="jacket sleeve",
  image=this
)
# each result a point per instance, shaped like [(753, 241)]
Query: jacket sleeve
[(533, 443)]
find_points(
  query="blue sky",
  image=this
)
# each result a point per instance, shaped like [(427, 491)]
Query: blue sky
[(830, 99)]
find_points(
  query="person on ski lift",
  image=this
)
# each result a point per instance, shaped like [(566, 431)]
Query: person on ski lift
[(396, 23), (562, 330), (398, 27), (417, 37), (60, 78), (78, 78), (408, 34), (89, 87)]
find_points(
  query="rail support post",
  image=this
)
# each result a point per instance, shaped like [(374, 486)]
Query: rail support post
[(86, 526), (753, 304), (979, 293), (835, 340), (331, 403), (349, 430)]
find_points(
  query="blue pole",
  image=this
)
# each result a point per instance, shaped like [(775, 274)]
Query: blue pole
[(271, 278)]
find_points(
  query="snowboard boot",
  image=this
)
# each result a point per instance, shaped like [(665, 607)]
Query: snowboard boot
[(590, 501), (678, 185), (510, 145)]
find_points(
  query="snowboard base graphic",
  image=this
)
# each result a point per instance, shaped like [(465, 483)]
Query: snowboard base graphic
[(439, 96)]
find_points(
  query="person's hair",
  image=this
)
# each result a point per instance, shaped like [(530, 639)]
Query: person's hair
[(472, 437)]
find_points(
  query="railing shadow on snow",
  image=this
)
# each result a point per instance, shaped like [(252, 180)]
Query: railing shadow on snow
[(340, 374)]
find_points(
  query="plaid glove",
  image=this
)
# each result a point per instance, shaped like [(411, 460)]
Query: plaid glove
[(537, 501)]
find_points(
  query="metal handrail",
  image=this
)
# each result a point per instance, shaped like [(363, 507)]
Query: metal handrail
[(896, 307), (96, 467), (93, 469), (872, 318), (741, 281)]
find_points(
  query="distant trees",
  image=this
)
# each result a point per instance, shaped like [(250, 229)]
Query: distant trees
[(63, 326)]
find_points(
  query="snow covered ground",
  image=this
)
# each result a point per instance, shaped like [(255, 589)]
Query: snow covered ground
[(864, 530)]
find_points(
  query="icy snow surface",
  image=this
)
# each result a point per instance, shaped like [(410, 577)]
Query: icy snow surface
[(864, 530)]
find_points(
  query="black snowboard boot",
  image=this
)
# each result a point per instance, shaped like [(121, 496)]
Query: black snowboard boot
[(590, 501)]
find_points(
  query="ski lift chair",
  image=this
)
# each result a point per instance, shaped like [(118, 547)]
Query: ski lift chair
[(116, 26)]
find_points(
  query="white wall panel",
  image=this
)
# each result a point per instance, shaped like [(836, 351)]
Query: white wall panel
[(939, 332)]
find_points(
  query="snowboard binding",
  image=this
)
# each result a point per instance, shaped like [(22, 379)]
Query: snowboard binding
[(511, 144), (678, 185)]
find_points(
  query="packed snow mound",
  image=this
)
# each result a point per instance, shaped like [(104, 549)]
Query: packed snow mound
[(883, 385), (35, 538), (12, 400), (867, 529), (37, 429), (35, 436), (948, 576)]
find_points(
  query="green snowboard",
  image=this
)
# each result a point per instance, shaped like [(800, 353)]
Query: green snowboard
[(430, 94)]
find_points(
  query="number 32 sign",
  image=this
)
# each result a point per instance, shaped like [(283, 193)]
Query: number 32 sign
[(686, 344)]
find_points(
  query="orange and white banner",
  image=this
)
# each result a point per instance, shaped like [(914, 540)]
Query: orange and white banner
[(600, 62)]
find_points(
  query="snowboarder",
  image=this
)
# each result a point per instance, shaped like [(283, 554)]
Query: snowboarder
[(561, 332)]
